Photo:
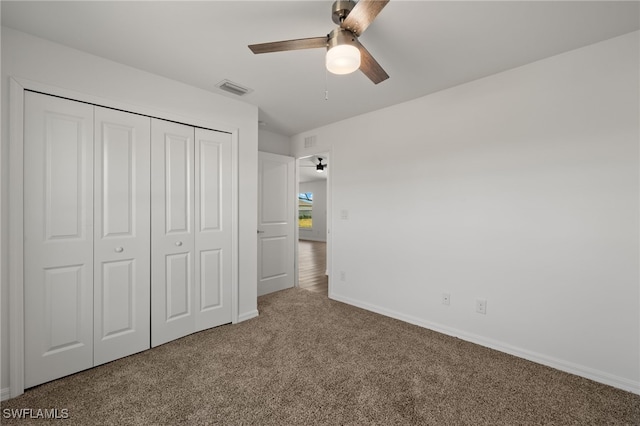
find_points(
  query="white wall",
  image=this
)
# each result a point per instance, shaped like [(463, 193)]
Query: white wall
[(520, 188), (273, 142), (34, 59), (319, 231)]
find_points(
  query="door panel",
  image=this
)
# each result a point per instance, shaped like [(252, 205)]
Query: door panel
[(210, 188), (178, 182), (117, 299), (115, 158), (178, 286), (276, 244), (122, 234), (274, 264), (211, 279), (65, 174), (172, 237), (275, 189), (63, 298), (213, 262), (58, 237)]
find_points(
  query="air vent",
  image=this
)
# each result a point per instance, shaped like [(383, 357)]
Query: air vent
[(310, 141), (235, 88)]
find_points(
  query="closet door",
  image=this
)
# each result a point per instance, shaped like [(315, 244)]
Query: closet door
[(172, 231), (122, 264), (58, 237), (213, 222)]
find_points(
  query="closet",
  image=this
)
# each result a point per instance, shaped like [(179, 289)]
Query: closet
[(127, 233)]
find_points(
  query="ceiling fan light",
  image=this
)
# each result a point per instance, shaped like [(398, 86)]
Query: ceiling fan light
[(320, 168), (343, 59)]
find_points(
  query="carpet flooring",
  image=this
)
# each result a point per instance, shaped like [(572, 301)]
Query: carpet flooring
[(308, 360)]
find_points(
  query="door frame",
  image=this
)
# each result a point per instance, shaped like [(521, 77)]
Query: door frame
[(17, 87), (329, 152)]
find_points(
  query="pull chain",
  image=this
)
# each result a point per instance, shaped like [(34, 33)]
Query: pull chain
[(326, 90)]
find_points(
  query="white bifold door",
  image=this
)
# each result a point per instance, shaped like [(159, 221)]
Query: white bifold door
[(86, 236), (191, 230), (122, 265), (105, 276)]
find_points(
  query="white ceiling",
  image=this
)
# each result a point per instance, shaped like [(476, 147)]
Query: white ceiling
[(425, 46)]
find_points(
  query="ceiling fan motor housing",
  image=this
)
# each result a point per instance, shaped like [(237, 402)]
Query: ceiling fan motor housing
[(340, 36), (340, 10)]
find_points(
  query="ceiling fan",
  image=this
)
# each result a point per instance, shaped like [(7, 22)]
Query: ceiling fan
[(319, 167), (345, 54)]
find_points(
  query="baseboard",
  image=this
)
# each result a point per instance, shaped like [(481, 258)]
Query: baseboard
[(5, 393), (248, 315), (558, 364)]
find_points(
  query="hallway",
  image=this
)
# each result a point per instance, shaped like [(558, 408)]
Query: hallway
[(312, 258)]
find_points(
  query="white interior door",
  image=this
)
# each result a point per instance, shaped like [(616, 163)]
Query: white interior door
[(213, 226), (276, 222), (122, 265), (58, 237), (172, 231)]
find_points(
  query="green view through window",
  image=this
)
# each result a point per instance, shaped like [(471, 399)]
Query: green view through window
[(305, 210)]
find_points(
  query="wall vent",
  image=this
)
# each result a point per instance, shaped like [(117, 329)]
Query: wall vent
[(310, 141), (235, 88)]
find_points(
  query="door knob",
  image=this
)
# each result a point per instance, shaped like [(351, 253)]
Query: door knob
[(260, 232), (119, 249), (179, 243)]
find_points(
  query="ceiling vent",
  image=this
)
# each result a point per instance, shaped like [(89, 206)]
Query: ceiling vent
[(310, 141), (235, 88)]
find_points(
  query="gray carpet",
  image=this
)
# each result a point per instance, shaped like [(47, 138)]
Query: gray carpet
[(309, 360)]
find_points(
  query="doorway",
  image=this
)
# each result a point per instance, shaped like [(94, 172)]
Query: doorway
[(313, 223)]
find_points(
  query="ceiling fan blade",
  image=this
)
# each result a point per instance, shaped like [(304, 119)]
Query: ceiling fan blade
[(362, 15), (281, 46), (370, 67)]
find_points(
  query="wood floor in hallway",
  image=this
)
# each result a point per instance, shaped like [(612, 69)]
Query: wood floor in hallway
[(312, 266)]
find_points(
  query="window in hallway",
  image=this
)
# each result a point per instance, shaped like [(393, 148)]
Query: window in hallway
[(305, 210)]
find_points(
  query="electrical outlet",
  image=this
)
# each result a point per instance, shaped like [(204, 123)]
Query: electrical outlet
[(446, 299), (343, 276), (481, 306), (344, 214)]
